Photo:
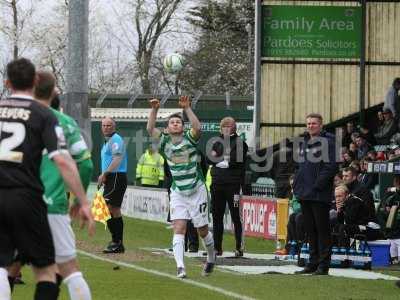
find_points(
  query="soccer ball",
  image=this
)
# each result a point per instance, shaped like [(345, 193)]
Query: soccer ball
[(173, 62)]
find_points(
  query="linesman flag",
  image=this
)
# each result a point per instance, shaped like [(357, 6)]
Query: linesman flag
[(100, 210)]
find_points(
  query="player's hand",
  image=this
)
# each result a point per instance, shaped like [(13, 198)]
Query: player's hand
[(74, 210), (86, 218), (184, 102), (154, 103)]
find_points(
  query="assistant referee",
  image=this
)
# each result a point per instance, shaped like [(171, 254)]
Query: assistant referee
[(113, 167)]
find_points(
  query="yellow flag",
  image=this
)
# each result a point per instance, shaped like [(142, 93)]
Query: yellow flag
[(100, 210)]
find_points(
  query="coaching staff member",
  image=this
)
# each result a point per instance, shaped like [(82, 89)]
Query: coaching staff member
[(313, 186), (228, 159), (26, 129), (113, 167)]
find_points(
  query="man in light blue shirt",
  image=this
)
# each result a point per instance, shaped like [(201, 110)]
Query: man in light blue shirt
[(113, 167)]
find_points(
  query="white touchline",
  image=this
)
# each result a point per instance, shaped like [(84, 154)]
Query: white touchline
[(158, 273)]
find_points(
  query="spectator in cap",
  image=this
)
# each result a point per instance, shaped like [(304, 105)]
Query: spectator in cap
[(387, 129)]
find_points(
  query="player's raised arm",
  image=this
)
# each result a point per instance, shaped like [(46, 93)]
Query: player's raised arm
[(151, 122), (184, 102)]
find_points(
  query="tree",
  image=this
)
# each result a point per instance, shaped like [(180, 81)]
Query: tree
[(14, 29), (151, 19), (222, 59)]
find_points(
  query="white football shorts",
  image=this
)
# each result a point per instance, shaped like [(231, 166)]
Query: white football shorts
[(192, 207), (63, 237)]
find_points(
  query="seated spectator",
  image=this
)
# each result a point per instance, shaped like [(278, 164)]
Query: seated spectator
[(359, 190), (396, 150), (391, 201), (369, 180), (355, 164), (391, 155), (380, 156), (353, 218), (372, 155), (367, 135), (387, 129), (337, 180), (353, 149), (347, 158), (354, 135), (362, 147), (347, 131)]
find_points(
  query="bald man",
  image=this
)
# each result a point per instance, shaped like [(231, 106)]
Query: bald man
[(113, 167)]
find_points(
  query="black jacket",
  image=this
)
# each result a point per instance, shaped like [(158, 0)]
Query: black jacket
[(236, 151), (283, 168), (317, 167), (359, 190), (388, 201), (354, 212)]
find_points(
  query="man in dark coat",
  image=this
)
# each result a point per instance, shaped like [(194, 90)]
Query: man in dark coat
[(313, 186), (227, 157), (283, 168), (358, 189)]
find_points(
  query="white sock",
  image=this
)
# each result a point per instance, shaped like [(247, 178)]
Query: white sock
[(5, 291), (208, 243), (77, 287), (178, 246)]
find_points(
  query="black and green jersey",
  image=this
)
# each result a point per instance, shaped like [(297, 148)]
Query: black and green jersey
[(55, 192)]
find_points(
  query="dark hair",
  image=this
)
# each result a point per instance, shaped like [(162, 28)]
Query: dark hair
[(45, 84), (21, 74), (176, 115), (353, 171), (55, 102)]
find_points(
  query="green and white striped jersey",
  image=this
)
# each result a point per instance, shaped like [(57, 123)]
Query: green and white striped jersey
[(55, 192), (182, 159)]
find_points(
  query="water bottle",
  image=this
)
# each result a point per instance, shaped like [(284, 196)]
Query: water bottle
[(292, 249), (236, 200), (343, 257), (367, 258), (335, 258), (304, 255), (358, 262), (351, 257)]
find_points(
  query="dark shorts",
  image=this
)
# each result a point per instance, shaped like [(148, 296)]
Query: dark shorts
[(114, 188), (24, 227)]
